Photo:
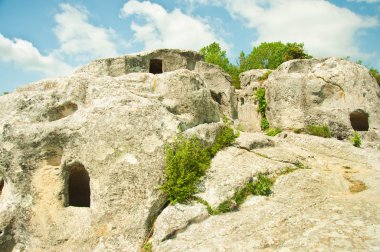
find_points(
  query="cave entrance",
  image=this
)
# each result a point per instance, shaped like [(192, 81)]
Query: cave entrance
[(359, 120), (155, 66), (1, 185), (79, 186)]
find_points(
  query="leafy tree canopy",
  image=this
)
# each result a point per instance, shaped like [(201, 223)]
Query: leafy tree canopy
[(272, 54)]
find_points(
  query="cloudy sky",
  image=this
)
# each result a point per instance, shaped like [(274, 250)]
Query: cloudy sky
[(40, 38)]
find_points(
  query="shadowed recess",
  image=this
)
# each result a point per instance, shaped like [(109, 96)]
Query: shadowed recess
[(79, 186), (155, 66), (359, 120), (62, 111), (1, 185)]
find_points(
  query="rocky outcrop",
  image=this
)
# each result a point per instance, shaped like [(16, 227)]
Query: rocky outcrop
[(330, 202), (219, 83), (82, 158), (158, 61), (331, 91)]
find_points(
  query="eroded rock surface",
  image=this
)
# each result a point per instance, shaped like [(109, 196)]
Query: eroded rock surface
[(331, 91), (316, 207), (82, 158), (89, 130)]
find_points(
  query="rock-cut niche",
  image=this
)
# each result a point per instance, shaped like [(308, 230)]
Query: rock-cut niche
[(78, 193), (155, 66), (1, 185), (359, 120)]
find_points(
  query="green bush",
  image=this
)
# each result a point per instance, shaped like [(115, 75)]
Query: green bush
[(187, 161), (356, 139), (318, 130), (265, 75), (273, 131)]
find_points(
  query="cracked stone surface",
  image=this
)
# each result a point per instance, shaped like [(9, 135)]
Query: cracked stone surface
[(323, 91), (309, 209)]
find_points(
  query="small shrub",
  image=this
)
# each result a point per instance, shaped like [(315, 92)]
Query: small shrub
[(317, 130), (357, 142), (260, 96), (265, 75), (261, 186), (264, 124), (273, 131), (187, 161)]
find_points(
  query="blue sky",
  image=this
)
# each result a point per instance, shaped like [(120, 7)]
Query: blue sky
[(40, 39)]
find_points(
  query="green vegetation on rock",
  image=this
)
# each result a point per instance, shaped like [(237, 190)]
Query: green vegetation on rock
[(260, 97), (375, 74), (319, 130), (357, 142), (187, 161), (273, 131)]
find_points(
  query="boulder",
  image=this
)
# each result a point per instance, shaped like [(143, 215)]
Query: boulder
[(331, 91), (220, 86), (175, 219)]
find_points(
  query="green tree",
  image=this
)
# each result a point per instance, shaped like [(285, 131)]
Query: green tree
[(272, 54), (214, 54)]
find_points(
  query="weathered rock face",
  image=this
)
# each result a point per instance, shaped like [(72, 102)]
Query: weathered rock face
[(333, 205), (158, 61), (219, 83), (83, 157), (249, 118), (330, 91)]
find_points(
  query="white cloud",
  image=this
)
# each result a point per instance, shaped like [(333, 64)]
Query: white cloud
[(326, 29), (78, 38), (26, 56), (163, 29)]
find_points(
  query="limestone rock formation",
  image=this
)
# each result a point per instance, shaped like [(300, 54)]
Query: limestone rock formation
[(329, 204), (331, 91), (96, 141), (82, 158)]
